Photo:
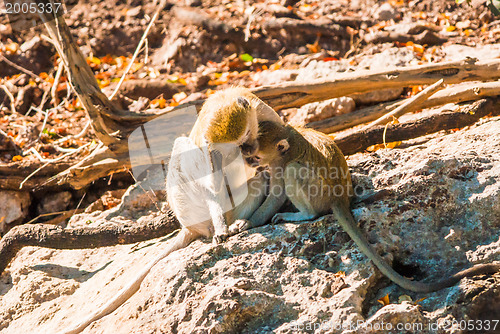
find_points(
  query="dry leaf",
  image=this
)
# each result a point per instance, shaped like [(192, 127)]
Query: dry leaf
[(12, 47), (159, 103), (404, 298), (314, 48), (420, 300), (384, 300)]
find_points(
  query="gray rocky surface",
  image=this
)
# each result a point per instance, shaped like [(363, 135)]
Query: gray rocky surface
[(432, 206)]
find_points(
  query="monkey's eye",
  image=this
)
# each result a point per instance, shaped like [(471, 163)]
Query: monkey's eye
[(243, 102)]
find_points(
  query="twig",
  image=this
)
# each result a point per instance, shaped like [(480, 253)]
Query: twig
[(252, 16), (42, 235), (49, 161), (78, 135), (53, 90), (22, 69), (44, 120), (11, 97), (51, 214), (410, 104), (139, 46)]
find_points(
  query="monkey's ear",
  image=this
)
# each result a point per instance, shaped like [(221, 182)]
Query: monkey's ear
[(243, 102), (282, 146)]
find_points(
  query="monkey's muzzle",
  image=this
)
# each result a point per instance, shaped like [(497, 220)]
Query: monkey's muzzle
[(252, 161)]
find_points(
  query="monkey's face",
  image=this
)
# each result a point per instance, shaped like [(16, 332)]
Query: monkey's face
[(249, 144)]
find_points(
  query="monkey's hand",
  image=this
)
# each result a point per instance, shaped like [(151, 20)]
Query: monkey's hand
[(239, 226)]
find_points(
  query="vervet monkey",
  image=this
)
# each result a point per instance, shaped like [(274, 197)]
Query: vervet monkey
[(226, 125), (317, 181)]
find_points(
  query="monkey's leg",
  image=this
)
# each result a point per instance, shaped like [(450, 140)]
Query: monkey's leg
[(293, 217), (271, 205), (184, 238), (301, 184)]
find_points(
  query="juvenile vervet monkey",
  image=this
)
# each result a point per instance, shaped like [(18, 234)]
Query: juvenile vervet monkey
[(317, 181), (227, 123)]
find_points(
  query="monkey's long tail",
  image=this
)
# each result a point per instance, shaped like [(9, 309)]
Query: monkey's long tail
[(347, 222), (184, 237)]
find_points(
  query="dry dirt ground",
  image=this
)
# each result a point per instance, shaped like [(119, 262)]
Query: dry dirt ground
[(431, 205)]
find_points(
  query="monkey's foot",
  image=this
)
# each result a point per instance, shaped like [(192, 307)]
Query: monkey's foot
[(239, 226), (292, 217), (220, 238)]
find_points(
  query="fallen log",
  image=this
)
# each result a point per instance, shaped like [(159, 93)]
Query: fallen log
[(452, 94), (295, 94), (359, 141)]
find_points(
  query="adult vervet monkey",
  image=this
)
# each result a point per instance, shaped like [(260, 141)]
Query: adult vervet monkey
[(196, 182), (317, 181)]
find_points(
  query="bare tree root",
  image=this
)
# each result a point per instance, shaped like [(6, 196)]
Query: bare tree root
[(49, 236)]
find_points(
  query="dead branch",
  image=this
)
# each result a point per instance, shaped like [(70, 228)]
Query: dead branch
[(43, 235), (293, 94), (470, 114), (111, 124), (452, 94)]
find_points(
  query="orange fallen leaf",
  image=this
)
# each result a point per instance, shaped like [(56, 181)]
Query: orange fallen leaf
[(314, 48), (107, 59), (384, 300), (104, 83), (329, 59), (17, 158), (159, 103), (275, 67)]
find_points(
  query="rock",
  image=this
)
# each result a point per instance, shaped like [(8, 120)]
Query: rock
[(26, 97), (54, 202), (7, 144), (108, 200), (457, 52), (432, 206), (14, 207), (320, 110)]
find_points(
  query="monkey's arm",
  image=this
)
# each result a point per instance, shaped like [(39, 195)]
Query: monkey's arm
[(217, 196), (273, 202)]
